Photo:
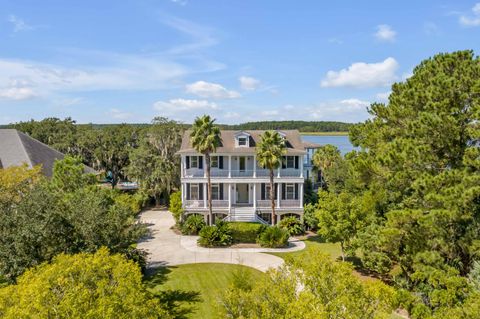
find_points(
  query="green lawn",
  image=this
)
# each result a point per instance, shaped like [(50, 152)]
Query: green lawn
[(315, 242), (196, 287)]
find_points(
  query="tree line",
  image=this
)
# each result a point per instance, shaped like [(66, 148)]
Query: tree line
[(407, 203)]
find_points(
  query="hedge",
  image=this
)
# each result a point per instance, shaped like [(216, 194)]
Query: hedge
[(246, 232)]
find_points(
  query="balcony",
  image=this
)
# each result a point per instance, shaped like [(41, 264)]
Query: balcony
[(199, 203), (286, 173)]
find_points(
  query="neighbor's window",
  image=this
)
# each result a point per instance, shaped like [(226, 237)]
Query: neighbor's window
[(242, 141), (215, 191), (194, 192), (214, 161), (194, 161), (290, 193), (290, 161)]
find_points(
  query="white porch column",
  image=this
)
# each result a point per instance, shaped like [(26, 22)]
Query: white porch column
[(204, 185), (279, 194), (229, 166), (229, 196), (254, 166), (300, 196), (204, 166), (183, 190), (300, 159), (254, 196)]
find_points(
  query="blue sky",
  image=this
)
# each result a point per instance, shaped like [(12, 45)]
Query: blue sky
[(128, 61)]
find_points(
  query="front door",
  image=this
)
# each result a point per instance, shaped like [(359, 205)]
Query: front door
[(242, 193), (241, 164)]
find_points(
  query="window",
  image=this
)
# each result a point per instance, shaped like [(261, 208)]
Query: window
[(242, 141), (215, 191), (194, 161), (194, 192), (267, 192), (289, 161), (214, 161), (290, 191)]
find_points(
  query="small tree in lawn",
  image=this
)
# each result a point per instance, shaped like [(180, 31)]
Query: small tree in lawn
[(205, 138), (269, 155)]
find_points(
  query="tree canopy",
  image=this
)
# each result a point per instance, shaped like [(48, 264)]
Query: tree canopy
[(85, 285)]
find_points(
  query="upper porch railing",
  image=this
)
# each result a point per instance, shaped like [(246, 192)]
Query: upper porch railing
[(286, 172)]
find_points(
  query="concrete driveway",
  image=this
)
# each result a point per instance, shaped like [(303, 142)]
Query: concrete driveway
[(165, 247)]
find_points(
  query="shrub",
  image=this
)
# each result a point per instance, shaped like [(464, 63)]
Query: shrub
[(214, 236), (246, 232), (134, 202), (310, 219), (292, 225), (175, 206), (193, 225), (273, 237)]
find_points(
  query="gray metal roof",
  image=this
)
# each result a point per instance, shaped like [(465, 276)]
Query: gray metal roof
[(17, 148)]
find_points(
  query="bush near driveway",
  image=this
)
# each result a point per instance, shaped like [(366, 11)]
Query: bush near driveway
[(292, 225), (193, 225), (246, 232), (215, 236), (273, 237)]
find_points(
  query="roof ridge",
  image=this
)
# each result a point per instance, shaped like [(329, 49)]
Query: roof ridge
[(23, 147), (37, 141)]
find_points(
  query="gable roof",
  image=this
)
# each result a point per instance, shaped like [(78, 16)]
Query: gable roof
[(17, 148), (293, 142)]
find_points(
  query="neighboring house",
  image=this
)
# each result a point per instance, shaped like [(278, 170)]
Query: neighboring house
[(308, 169), (17, 148), (240, 187)]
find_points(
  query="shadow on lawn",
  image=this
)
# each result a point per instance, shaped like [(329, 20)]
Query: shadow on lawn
[(178, 303)]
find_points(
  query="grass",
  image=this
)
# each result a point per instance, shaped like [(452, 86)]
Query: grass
[(325, 133), (196, 287), (315, 243)]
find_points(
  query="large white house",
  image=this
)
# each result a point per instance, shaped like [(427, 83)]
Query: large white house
[(240, 187)]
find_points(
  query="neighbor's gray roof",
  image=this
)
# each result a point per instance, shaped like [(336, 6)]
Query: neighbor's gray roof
[(292, 137), (17, 148)]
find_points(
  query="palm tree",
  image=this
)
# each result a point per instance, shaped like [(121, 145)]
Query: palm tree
[(270, 151), (325, 157), (205, 138)]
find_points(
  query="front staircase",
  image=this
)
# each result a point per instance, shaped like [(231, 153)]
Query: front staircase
[(244, 214)]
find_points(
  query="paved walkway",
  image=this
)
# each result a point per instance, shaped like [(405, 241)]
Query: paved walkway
[(166, 249)]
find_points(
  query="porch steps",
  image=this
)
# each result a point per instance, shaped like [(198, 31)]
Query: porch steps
[(244, 214)]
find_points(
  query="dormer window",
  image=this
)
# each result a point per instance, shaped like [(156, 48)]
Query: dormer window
[(242, 141)]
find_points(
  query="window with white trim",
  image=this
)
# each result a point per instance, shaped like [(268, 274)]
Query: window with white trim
[(194, 192), (290, 161), (290, 191), (267, 192), (215, 191), (242, 141), (214, 161), (194, 161)]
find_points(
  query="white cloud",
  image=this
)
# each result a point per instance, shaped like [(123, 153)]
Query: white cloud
[(17, 93), (174, 106), (269, 113), (335, 40), (431, 28), (249, 83), (180, 2), (354, 104), (211, 90), (363, 75), (383, 96), (472, 20), (19, 24), (118, 114), (110, 72), (385, 33)]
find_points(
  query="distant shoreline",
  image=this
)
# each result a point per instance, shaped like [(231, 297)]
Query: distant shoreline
[(325, 133)]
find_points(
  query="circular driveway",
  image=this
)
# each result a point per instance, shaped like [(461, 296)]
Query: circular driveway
[(166, 248)]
